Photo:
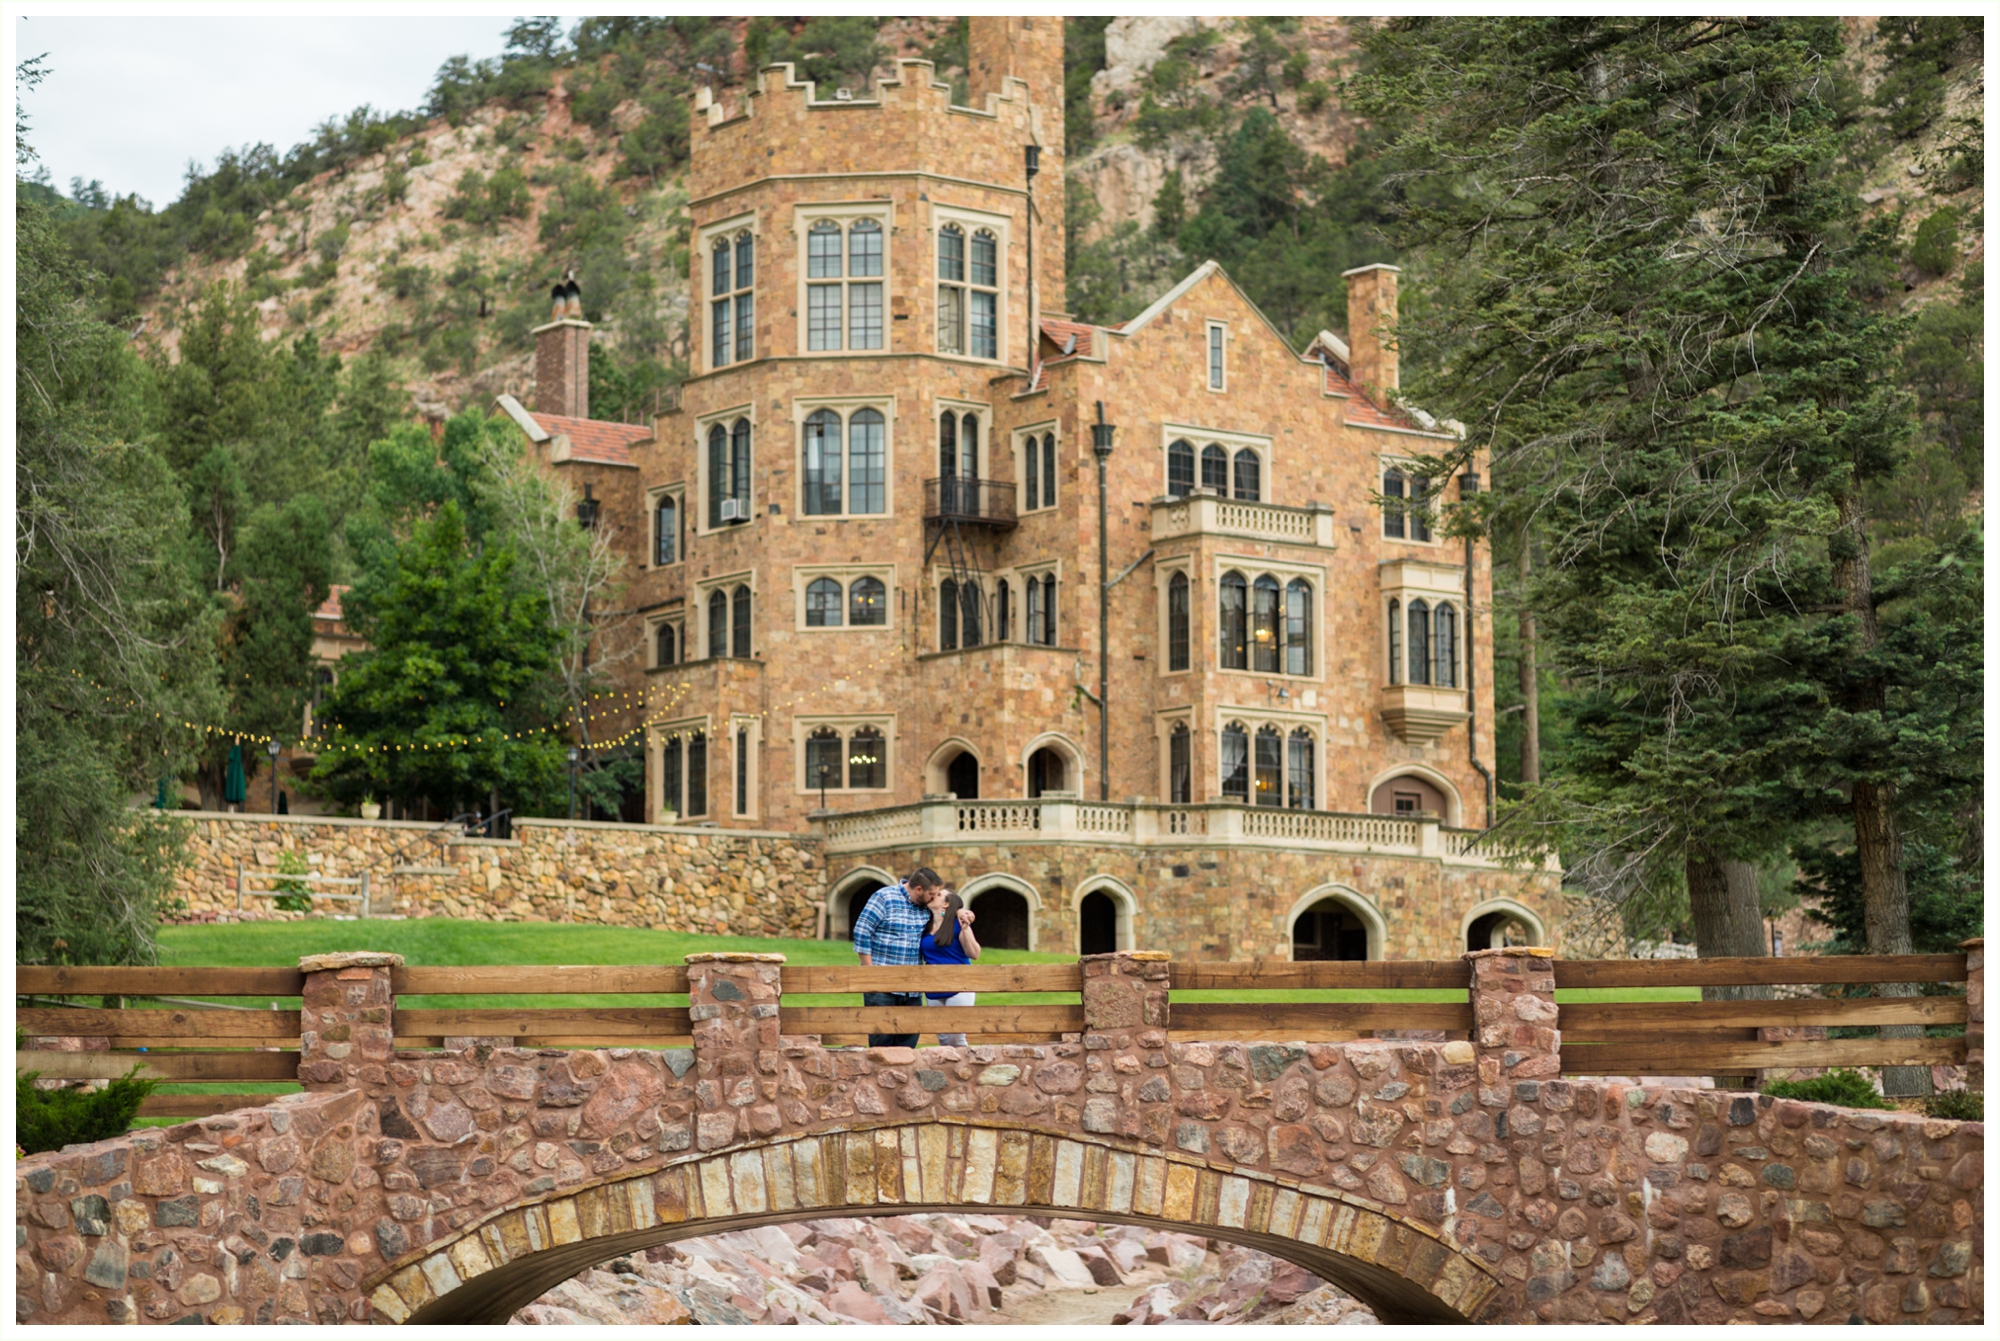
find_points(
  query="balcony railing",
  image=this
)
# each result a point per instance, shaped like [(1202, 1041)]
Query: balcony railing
[(1066, 818), (978, 502)]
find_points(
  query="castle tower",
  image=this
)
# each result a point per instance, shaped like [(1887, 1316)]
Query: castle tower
[(1030, 50)]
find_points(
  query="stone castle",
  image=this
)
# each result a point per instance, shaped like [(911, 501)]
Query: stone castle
[(1144, 635)]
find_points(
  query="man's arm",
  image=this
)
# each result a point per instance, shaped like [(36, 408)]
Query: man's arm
[(864, 932), (867, 960)]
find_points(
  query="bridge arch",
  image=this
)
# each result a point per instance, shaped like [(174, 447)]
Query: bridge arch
[(495, 1265)]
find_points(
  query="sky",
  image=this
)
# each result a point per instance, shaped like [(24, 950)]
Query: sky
[(130, 100)]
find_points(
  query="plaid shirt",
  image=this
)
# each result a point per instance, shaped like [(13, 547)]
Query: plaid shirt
[(891, 928)]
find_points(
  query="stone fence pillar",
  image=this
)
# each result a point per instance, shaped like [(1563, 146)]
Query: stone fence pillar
[(1515, 1033), (733, 1000), (1124, 992), (348, 1031), (1975, 1013)]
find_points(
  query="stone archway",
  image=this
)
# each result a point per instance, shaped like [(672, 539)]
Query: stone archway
[(490, 1268), (847, 897), (1334, 922)]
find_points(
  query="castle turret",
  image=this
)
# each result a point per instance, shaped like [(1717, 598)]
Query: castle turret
[(999, 48)]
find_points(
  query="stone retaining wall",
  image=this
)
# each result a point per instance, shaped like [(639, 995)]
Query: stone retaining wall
[(723, 882)]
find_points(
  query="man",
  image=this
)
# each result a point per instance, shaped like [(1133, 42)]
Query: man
[(890, 932)]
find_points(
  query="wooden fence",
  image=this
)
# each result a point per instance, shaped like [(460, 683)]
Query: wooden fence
[(222, 1042)]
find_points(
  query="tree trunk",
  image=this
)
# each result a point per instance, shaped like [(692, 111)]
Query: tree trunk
[(1878, 838), (1531, 705), (1728, 923)]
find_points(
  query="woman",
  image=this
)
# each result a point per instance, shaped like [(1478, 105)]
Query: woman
[(949, 940)]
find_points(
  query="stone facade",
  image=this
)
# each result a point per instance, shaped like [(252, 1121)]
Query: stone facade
[(1429, 1179), (733, 882)]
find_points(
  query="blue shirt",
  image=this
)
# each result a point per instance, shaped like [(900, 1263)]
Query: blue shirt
[(891, 928), (949, 954)]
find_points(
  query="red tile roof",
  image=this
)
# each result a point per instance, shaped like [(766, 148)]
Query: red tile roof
[(594, 439), (330, 607), (1362, 411), (1061, 342)]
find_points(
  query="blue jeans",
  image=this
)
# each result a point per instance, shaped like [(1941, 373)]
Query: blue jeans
[(892, 999)]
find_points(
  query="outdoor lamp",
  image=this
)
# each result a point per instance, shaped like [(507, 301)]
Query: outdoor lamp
[(586, 511), (574, 755), (1034, 160), (272, 749)]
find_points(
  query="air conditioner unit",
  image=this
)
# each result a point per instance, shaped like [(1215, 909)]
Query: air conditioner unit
[(735, 510)]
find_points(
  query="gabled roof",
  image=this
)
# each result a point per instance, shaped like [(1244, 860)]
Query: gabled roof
[(594, 440), (330, 607)]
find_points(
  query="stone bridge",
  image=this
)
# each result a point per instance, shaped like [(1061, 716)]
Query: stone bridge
[(1437, 1181)]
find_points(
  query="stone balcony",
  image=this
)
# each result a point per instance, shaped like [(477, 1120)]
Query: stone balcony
[(1203, 512), (947, 821)]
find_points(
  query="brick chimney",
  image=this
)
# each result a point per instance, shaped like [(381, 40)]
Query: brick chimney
[(562, 355), (1371, 327)]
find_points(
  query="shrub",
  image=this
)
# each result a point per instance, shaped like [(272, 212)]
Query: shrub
[(51, 1119), (294, 896), (1934, 250), (1957, 1105), (1848, 1089)]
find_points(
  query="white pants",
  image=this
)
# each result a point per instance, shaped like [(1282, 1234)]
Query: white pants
[(955, 999)]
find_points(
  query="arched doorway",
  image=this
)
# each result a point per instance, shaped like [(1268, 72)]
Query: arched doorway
[(1046, 772), (1002, 915), (844, 905), (1097, 924), (1327, 930), (962, 776), (1498, 930)]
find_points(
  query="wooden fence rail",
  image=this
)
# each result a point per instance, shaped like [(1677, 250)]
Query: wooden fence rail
[(219, 1046)]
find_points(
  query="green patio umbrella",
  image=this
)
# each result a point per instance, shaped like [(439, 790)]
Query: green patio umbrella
[(232, 781), (160, 801)]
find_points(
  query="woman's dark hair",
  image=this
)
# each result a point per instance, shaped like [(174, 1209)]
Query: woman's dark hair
[(947, 935)]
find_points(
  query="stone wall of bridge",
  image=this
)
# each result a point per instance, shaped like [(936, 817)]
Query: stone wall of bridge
[(1436, 1181)]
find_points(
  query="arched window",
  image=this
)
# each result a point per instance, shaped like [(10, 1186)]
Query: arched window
[(739, 622), (666, 532), (947, 444), (867, 759), (947, 614), (867, 603), (1031, 461), (739, 467), (1395, 642), (1264, 630), (968, 447), (1003, 612), (1419, 663), (1444, 649), (867, 474), (1299, 770), (1249, 484), (1041, 619), (663, 645), (746, 250), (730, 300), (1215, 469), (1420, 510), (1270, 767), (825, 757), (968, 613), (718, 472), (1233, 606), (1298, 627), (1180, 468), (1392, 504), (697, 774), (1177, 622), (1048, 470), (822, 603), (841, 297), (718, 623), (670, 776), (951, 289), (983, 302), (821, 466), (1180, 765), (1235, 763)]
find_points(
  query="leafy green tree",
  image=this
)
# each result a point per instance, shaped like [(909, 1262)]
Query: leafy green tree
[(833, 51), (1083, 56), (113, 641), (1918, 51), (443, 705)]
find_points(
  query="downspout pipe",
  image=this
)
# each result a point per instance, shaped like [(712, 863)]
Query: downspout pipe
[(1468, 489), (1100, 446)]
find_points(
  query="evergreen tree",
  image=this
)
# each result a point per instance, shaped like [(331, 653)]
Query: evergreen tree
[(1649, 319)]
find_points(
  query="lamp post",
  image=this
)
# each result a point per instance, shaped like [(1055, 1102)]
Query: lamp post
[(1100, 445), (823, 771), (574, 756), (272, 750)]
